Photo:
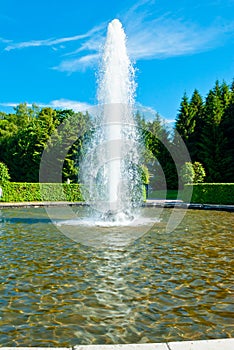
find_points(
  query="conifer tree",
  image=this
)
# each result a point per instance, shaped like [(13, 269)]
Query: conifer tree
[(185, 122), (227, 127), (197, 114), (213, 141)]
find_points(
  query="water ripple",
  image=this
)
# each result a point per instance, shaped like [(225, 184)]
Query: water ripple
[(162, 287)]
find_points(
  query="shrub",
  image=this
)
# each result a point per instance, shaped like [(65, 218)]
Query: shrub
[(208, 193), (145, 175), (187, 173), (192, 173), (199, 172), (26, 192), (4, 173)]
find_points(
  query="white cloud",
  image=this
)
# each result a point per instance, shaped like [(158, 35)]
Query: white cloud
[(9, 104), (59, 104), (77, 64), (149, 113), (168, 37), (69, 104), (52, 41), (4, 41), (162, 37), (149, 37)]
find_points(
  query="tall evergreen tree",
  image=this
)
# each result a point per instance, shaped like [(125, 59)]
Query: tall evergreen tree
[(213, 141), (227, 127), (185, 121), (158, 142), (197, 115)]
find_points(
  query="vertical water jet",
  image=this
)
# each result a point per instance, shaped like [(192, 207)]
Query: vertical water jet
[(110, 170)]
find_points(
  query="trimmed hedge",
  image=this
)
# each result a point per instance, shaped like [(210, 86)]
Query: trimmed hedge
[(210, 193), (204, 193), (28, 192)]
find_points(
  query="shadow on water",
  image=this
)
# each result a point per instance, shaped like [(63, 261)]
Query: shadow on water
[(29, 221)]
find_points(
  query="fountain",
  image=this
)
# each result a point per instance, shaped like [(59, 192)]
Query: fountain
[(62, 285), (110, 170)]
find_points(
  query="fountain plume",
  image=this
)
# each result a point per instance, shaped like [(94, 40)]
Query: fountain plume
[(110, 169)]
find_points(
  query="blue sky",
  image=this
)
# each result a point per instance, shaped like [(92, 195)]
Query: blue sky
[(49, 49)]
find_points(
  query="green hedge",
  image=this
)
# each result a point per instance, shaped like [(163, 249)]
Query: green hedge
[(210, 193), (26, 192)]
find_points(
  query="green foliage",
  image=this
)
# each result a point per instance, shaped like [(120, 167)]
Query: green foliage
[(192, 173), (214, 137), (227, 129), (210, 193), (207, 129), (157, 139), (145, 178), (185, 121), (197, 115), (27, 133), (187, 173), (199, 172), (4, 173), (205, 125), (145, 175), (26, 192)]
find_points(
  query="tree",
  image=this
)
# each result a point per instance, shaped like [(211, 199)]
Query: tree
[(197, 115), (4, 173), (64, 148), (187, 173), (23, 114), (227, 127), (160, 163), (213, 141), (22, 150), (214, 106), (199, 172), (185, 121)]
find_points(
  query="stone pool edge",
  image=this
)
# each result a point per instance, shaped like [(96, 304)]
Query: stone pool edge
[(156, 203), (179, 204), (213, 344)]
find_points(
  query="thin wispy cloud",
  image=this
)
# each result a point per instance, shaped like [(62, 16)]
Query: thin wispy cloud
[(168, 38), (149, 114), (150, 36), (52, 41), (94, 44), (78, 64), (4, 41)]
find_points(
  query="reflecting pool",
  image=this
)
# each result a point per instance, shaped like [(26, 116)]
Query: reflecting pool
[(161, 287)]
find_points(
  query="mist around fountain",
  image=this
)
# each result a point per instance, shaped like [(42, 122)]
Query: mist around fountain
[(110, 169), (110, 172)]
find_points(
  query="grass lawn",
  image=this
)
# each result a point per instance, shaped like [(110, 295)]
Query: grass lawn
[(161, 194)]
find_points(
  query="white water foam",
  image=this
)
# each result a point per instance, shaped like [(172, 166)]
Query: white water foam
[(92, 222), (110, 169)]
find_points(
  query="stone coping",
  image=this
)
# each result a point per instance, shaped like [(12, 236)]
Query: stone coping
[(157, 203), (179, 204), (35, 204), (214, 344)]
